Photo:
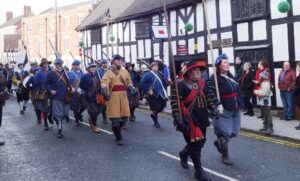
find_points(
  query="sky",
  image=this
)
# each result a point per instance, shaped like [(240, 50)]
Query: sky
[(37, 6)]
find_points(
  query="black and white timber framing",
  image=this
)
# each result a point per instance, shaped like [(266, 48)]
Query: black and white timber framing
[(263, 33)]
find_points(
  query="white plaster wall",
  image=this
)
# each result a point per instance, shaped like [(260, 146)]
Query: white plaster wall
[(213, 37), (173, 23), (225, 13), (191, 46), (156, 49), (120, 32), (260, 30), (242, 31), (200, 18), (148, 48), (126, 54), (278, 98), (99, 51), (127, 33), (280, 42), (296, 7), (231, 69), (115, 49), (211, 8), (201, 44), (274, 10), (132, 28), (140, 44), (155, 20), (215, 53), (174, 48), (94, 51), (103, 35), (166, 53), (181, 24), (297, 40), (121, 52), (191, 20), (133, 53)]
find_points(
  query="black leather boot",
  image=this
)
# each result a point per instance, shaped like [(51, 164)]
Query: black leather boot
[(118, 135), (184, 156), (200, 174)]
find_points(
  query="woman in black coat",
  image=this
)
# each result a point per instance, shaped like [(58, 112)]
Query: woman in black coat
[(247, 86), (297, 90)]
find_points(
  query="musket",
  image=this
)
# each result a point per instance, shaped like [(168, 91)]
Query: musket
[(57, 55), (171, 59), (108, 59), (40, 55)]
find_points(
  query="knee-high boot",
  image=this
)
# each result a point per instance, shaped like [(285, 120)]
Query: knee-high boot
[(117, 133), (38, 116), (184, 156), (224, 149), (200, 174)]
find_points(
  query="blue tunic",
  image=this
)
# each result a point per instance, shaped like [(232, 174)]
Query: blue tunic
[(55, 82), (90, 84), (39, 80), (149, 80)]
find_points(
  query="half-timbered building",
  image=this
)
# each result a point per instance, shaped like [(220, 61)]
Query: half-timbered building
[(253, 30)]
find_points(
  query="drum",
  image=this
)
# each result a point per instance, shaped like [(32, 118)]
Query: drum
[(26, 79)]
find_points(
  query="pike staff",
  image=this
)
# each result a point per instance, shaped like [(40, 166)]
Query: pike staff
[(211, 48), (171, 58)]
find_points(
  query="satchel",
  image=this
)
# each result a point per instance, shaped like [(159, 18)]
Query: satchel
[(68, 97), (4, 96), (100, 99)]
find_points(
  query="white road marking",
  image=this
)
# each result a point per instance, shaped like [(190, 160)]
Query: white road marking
[(206, 169), (103, 130)]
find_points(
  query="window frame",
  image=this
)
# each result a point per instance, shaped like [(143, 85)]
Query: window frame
[(145, 22), (243, 18)]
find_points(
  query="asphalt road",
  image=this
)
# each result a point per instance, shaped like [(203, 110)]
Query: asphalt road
[(149, 154)]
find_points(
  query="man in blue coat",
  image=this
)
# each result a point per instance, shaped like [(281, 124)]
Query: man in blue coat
[(57, 85), (90, 84), (78, 104), (102, 70), (41, 98), (153, 86)]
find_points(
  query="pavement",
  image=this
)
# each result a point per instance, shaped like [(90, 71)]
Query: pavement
[(30, 153), (282, 129)]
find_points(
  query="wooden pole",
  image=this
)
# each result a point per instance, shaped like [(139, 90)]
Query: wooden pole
[(107, 39), (211, 48), (171, 58)]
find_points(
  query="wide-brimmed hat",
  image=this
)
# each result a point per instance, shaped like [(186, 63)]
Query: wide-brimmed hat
[(19, 64), (44, 60), (220, 58), (58, 61), (153, 64), (103, 61), (91, 65), (193, 64), (76, 62)]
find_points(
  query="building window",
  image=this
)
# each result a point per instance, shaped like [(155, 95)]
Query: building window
[(66, 21), (245, 9), (67, 44), (95, 36), (142, 28), (42, 25)]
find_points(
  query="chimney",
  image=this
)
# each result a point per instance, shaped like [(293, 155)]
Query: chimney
[(9, 15), (27, 11)]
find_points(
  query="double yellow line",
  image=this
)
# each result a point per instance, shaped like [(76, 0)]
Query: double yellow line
[(270, 139)]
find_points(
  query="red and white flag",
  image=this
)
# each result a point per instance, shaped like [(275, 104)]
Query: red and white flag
[(160, 31)]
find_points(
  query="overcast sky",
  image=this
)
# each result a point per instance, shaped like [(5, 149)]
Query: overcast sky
[(37, 6)]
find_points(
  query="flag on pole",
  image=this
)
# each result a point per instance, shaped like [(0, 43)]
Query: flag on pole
[(160, 32)]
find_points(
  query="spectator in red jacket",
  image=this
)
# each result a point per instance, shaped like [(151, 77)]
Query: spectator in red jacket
[(263, 65), (286, 85)]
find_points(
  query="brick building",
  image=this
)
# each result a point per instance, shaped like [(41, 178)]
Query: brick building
[(39, 29)]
